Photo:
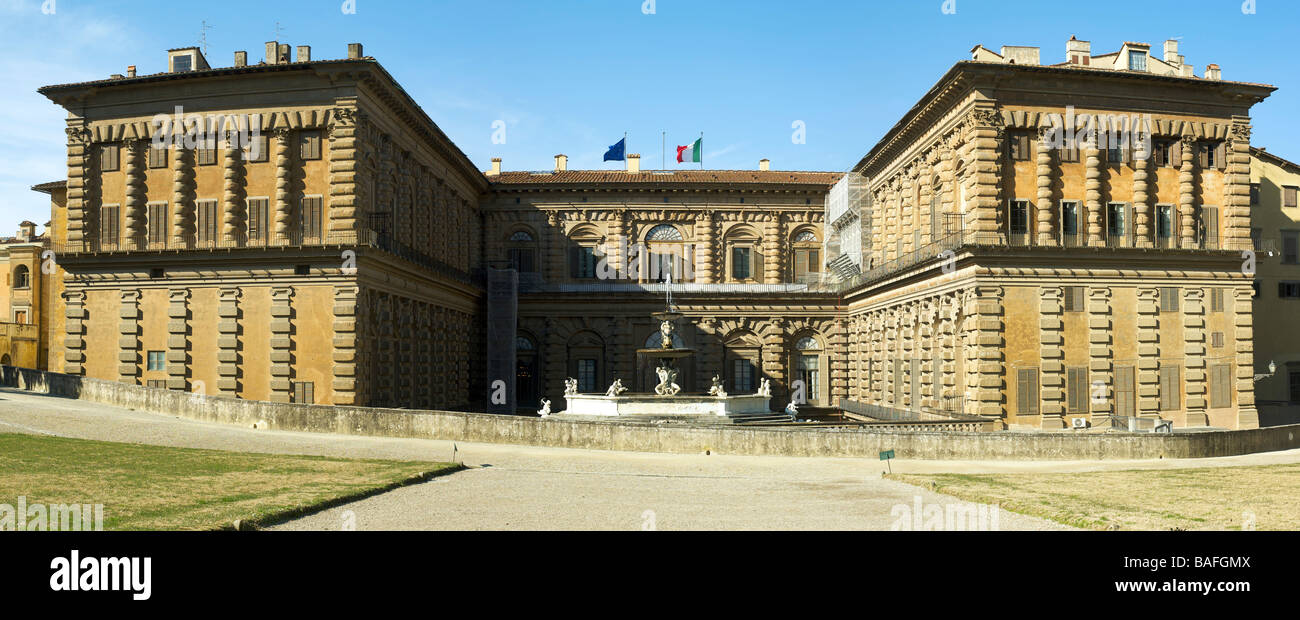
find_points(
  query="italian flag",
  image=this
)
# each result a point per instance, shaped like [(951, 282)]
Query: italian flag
[(691, 154)]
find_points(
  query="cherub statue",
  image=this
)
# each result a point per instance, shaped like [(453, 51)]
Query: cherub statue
[(667, 382), (792, 410), (717, 389), (616, 389), (545, 411), (570, 386), (765, 388)]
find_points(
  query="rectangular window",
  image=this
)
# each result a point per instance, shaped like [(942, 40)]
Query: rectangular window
[(181, 64), (205, 156), (20, 317), (157, 384), (157, 223), (1116, 223), (257, 218), (1289, 196), (1216, 340), (108, 157), (1160, 153), (1164, 225), (587, 376), (1171, 387), (156, 360), (1256, 238), (1137, 61), (1168, 299), (1221, 386), (1074, 298), (1027, 394), (1254, 194), (1216, 300), (1019, 221), (1076, 388), (157, 157), (1288, 290), (1019, 145), (806, 261), (309, 145), (1114, 153), (109, 222), (304, 392), (257, 149), (1210, 227), (310, 211), (206, 222), (742, 376), (740, 263), (1070, 223), (1069, 151), (1294, 378), (584, 262), (1125, 394), (521, 259), (1290, 247)]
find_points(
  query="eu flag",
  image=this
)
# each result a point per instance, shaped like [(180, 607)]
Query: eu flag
[(616, 152)]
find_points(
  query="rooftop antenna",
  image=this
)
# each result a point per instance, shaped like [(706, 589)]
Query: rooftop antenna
[(278, 30), (203, 36)]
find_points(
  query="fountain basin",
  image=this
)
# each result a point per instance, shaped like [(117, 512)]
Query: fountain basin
[(666, 406)]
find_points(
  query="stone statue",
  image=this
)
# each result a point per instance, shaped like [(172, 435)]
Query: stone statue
[(765, 388), (717, 389), (667, 381), (570, 386), (666, 330), (792, 409), (545, 411), (616, 389)]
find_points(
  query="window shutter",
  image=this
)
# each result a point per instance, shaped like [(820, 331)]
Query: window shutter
[(1221, 156), (1069, 299), (1216, 300), (1176, 154)]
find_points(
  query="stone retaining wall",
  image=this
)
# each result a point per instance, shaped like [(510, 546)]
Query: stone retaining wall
[(476, 427)]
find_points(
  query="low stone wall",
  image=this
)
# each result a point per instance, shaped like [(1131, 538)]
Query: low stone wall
[(680, 439)]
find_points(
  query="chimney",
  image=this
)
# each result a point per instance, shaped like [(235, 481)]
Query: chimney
[(1078, 52), (634, 163), (355, 51), (764, 165), (284, 57), (1171, 53), (241, 59), (496, 167), (304, 53), (272, 52), (130, 71), (561, 163), (1212, 72)]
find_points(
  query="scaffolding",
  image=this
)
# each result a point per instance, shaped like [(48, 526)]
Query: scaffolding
[(848, 219)]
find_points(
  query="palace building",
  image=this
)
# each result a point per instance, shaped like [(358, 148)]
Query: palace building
[(306, 233)]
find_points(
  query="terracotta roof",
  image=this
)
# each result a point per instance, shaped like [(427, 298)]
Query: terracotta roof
[(1264, 154), (701, 177), (47, 188)]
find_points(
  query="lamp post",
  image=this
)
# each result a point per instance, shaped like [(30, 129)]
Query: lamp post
[(1272, 370)]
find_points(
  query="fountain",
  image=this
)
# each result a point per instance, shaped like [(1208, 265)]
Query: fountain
[(667, 401)]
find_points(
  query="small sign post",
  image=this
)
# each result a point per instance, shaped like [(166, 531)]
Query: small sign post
[(886, 456)]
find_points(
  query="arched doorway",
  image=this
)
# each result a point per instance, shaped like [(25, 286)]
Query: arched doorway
[(810, 366), (526, 366)]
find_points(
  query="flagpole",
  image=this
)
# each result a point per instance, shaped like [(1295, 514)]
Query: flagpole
[(663, 152), (625, 150), (701, 150)]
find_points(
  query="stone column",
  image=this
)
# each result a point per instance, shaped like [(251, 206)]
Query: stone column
[(74, 340), (344, 383), (948, 329), (907, 330), (706, 254), (555, 241), (890, 359), (1101, 393), (948, 178), (774, 361), (1148, 365), (1187, 194), (772, 249), (1051, 339), (1244, 336), (838, 354), (615, 241), (80, 215), (234, 220), (284, 219), (1194, 361), (989, 344), (907, 210), (928, 396), (1236, 187), (878, 378), (343, 171), (182, 206), (1142, 229), (1046, 230), (987, 138), (128, 342), (178, 346), (228, 359), (1092, 195), (282, 344), (136, 206)]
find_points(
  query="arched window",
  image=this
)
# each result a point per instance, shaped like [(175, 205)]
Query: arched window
[(807, 264), (664, 232), (743, 260), (521, 251), (665, 253), (743, 358), (809, 361), (584, 253), (808, 343), (22, 277)]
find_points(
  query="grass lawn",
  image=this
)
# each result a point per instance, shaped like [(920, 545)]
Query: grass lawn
[(158, 488), (1221, 498)]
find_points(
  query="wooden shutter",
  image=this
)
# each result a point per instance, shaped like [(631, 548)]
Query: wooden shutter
[(157, 222), (1124, 391), (309, 145), (1168, 299), (257, 218), (800, 263), (1216, 300), (108, 157), (1221, 155), (310, 217), (1027, 394), (1210, 220), (1076, 380), (1176, 154), (1220, 386), (157, 157), (1171, 396)]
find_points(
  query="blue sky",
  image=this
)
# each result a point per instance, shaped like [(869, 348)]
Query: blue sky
[(571, 76)]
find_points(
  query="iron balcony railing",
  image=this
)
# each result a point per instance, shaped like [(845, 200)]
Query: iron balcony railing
[(363, 238)]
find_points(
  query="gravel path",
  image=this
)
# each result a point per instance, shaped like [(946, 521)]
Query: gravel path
[(521, 487)]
